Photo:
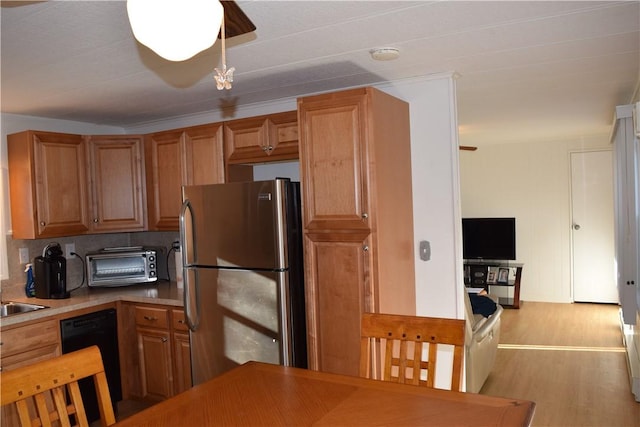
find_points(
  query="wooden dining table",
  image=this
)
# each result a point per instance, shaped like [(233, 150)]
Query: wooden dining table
[(260, 394)]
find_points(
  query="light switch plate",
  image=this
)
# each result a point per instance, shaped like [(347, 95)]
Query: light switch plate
[(425, 250)]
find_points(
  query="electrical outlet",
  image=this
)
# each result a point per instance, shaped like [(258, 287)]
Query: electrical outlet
[(68, 248), (23, 255)]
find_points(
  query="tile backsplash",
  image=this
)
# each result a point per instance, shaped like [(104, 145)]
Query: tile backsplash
[(13, 287)]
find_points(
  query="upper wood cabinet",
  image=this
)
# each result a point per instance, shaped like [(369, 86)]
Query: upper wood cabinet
[(263, 138), (334, 161), (63, 184), (48, 184), (355, 163), (117, 185), (188, 156)]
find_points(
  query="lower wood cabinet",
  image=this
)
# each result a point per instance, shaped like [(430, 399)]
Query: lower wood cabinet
[(181, 351), (160, 364), (24, 345), (154, 350), (338, 292)]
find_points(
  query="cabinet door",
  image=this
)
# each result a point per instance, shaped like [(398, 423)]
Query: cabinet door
[(182, 351), (338, 291), (117, 183), (246, 139), (156, 374), (283, 136), (204, 155), (333, 161), (61, 190), (262, 139), (165, 175)]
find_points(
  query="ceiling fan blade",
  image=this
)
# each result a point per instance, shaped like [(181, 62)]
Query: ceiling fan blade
[(235, 21), (468, 148)]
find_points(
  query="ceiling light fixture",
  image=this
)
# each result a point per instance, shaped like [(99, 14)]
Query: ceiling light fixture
[(384, 53), (176, 30)]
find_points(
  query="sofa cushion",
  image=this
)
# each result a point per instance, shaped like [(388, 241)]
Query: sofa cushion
[(482, 304), (476, 320)]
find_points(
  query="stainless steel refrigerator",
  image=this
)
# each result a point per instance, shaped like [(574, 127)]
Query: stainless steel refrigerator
[(241, 246)]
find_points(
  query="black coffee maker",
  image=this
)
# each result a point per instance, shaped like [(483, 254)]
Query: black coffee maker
[(50, 273)]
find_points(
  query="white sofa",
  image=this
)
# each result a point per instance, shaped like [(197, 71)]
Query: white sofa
[(481, 345)]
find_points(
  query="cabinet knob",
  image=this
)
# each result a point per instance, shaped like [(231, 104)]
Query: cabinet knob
[(95, 220), (365, 215), (270, 148), (150, 318), (42, 223), (264, 148), (163, 339), (365, 248)]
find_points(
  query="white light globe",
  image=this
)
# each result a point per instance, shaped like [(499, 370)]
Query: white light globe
[(175, 29)]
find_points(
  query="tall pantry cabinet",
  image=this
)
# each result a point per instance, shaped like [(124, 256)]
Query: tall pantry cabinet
[(355, 164)]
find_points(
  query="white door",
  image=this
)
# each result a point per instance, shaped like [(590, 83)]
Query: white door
[(593, 227)]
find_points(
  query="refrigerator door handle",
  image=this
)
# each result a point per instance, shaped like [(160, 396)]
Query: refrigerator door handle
[(191, 279), (187, 272), (188, 248)]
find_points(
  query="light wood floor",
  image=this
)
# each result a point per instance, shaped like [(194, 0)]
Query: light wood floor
[(569, 359)]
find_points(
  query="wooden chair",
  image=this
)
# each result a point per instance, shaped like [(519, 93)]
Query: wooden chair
[(32, 383), (404, 338)]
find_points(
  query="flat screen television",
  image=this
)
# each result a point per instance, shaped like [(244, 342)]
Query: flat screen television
[(489, 238)]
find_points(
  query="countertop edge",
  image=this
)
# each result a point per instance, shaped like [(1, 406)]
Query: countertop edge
[(166, 293)]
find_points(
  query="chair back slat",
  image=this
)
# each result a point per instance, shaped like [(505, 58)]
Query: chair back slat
[(55, 378), (406, 340), (417, 363), (60, 403)]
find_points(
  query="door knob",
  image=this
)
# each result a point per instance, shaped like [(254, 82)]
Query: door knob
[(576, 226)]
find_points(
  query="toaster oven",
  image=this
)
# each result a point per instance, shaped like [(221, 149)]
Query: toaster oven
[(124, 266)]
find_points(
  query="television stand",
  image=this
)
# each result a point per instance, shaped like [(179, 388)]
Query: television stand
[(477, 274)]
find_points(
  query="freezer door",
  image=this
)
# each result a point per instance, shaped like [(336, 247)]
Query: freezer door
[(235, 225), (239, 318)]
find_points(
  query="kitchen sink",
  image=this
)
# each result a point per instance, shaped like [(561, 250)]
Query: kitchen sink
[(11, 308)]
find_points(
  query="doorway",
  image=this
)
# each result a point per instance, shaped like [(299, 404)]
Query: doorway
[(592, 233)]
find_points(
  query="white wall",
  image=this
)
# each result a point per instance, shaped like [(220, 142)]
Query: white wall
[(435, 177), (436, 194), (532, 183)]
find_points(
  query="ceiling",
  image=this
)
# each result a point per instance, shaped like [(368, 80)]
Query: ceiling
[(528, 71)]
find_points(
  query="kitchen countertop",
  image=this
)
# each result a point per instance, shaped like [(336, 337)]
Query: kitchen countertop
[(166, 293)]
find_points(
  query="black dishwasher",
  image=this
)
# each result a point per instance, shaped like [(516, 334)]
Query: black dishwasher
[(100, 329)]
